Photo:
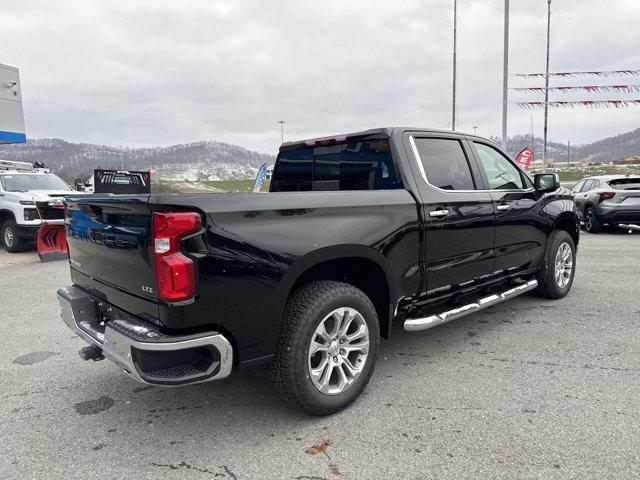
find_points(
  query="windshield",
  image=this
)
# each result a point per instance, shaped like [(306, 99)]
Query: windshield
[(23, 182)]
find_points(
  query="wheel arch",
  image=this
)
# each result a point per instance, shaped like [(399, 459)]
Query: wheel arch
[(360, 266), (569, 222), (5, 215)]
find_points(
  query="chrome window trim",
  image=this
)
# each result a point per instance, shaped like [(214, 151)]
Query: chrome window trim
[(418, 160)]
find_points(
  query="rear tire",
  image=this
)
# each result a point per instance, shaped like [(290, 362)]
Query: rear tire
[(12, 242), (330, 379), (591, 222), (556, 276)]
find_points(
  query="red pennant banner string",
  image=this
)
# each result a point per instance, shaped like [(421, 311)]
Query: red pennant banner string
[(586, 88), (610, 73), (583, 103)]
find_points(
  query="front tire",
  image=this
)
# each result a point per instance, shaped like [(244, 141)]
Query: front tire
[(556, 277), (591, 222), (12, 242), (327, 348)]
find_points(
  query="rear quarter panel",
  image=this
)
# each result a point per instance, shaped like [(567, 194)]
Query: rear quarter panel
[(258, 244)]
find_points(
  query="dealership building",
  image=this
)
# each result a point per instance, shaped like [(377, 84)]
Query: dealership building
[(11, 116)]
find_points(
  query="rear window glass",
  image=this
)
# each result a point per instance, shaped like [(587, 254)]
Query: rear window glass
[(625, 183), (293, 171), (358, 165), (445, 163)]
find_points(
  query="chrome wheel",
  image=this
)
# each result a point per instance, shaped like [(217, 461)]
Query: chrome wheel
[(8, 237), (564, 265), (338, 351)]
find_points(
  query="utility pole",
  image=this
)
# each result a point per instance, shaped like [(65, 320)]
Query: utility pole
[(546, 86), (475, 130), (533, 140), (282, 122), (505, 71), (455, 63), (568, 151)]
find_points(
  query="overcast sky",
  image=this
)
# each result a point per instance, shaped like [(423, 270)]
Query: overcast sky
[(157, 73)]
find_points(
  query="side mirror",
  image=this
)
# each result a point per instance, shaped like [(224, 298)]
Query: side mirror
[(546, 182)]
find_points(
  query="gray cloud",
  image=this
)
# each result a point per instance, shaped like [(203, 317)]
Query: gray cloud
[(154, 72)]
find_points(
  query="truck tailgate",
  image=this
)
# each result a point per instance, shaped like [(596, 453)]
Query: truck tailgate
[(109, 240)]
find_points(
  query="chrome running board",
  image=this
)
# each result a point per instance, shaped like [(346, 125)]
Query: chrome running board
[(629, 227), (416, 324)]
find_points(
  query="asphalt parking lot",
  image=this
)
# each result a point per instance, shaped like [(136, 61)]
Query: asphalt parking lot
[(527, 389)]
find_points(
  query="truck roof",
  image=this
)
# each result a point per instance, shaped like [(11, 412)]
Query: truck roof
[(15, 166), (385, 131), (25, 172)]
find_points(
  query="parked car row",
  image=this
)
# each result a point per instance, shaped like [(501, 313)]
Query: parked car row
[(608, 200)]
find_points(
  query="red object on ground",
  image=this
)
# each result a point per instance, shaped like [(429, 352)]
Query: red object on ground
[(51, 243), (525, 158)]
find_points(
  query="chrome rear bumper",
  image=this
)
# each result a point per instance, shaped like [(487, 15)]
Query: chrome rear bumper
[(143, 352)]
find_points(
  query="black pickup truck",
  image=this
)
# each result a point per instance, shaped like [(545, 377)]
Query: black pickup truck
[(357, 232)]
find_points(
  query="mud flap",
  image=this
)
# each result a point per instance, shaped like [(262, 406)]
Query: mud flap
[(51, 243)]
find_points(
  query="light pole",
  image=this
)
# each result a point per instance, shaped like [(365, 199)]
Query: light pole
[(475, 130), (546, 86), (455, 63), (282, 122), (505, 71), (533, 140)]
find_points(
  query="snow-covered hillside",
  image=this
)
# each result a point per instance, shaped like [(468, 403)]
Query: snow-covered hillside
[(206, 160)]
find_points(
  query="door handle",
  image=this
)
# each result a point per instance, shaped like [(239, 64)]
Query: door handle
[(439, 213), (503, 208)]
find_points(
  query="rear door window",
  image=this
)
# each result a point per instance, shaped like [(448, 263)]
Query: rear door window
[(445, 163), (501, 173)]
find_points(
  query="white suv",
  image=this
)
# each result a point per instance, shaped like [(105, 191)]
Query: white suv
[(21, 186)]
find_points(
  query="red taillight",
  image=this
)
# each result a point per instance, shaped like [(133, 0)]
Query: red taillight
[(175, 273), (606, 196)]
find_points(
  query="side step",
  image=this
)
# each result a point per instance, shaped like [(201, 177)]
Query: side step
[(417, 324), (629, 227)]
